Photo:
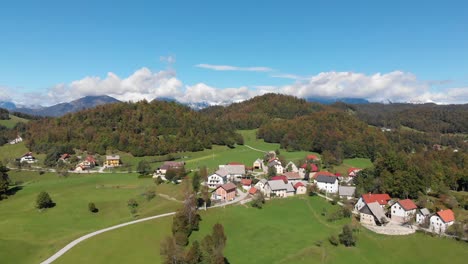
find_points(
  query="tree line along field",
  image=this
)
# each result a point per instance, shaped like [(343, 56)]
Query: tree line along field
[(284, 231)]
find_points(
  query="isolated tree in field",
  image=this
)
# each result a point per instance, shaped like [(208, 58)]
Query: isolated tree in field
[(43, 200), (194, 255), (170, 251), (204, 173), (132, 205), (171, 175), (347, 237), (92, 208), (143, 167), (4, 181), (258, 200), (213, 246), (196, 182), (185, 220)]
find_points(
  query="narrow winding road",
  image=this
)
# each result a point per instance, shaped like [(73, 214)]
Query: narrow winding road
[(75, 242)]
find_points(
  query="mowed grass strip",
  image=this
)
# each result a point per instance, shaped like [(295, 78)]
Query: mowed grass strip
[(284, 231)]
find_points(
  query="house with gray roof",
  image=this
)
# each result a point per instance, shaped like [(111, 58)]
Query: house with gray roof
[(278, 188), (346, 192), (372, 214), (422, 215), (234, 172), (328, 184)]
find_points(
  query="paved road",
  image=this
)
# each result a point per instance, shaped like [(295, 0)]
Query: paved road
[(78, 240), (75, 242)]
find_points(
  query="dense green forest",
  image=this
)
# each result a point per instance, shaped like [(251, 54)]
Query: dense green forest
[(260, 110), (337, 132), (140, 128), (406, 175), (426, 117)]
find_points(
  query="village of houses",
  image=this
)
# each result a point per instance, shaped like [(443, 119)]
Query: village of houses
[(377, 212), (236, 182)]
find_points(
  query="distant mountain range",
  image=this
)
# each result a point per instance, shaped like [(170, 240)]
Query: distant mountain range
[(92, 101), (62, 108)]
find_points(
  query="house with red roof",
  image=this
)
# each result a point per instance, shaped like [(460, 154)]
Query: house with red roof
[(403, 210), (246, 183), (235, 163), (313, 167), (253, 191), (64, 157), (312, 157), (293, 177), (352, 172), (279, 177), (300, 188), (225, 192), (440, 221), (381, 198)]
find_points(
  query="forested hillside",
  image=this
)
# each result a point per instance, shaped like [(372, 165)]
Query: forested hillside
[(259, 110), (337, 132), (139, 128), (425, 117)]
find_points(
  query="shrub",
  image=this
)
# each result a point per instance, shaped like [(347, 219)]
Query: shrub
[(132, 205), (92, 208), (43, 200), (158, 181), (347, 237), (149, 195), (333, 240)]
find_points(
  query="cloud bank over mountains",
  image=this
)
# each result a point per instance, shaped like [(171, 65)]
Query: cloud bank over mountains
[(395, 86)]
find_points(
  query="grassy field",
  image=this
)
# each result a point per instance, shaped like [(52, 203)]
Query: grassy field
[(353, 163), (284, 231), (10, 123), (211, 158), (28, 235)]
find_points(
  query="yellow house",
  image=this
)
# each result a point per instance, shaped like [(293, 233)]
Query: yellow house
[(112, 161)]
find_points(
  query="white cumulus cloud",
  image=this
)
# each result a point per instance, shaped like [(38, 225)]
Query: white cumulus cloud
[(142, 84), (233, 68), (201, 92), (394, 86)]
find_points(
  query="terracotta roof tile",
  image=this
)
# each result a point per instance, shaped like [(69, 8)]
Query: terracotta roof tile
[(253, 190), (382, 199), (297, 185), (446, 215), (408, 204), (246, 182)]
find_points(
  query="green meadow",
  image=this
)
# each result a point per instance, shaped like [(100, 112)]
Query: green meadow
[(28, 235), (10, 123), (290, 230)]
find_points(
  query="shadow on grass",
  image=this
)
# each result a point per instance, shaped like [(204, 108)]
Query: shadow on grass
[(13, 190)]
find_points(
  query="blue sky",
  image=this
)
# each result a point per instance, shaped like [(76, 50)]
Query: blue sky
[(53, 51)]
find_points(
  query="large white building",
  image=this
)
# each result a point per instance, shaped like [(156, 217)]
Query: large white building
[(328, 184), (278, 188)]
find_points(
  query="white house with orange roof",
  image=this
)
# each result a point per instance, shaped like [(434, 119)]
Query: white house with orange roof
[(403, 210), (440, 221)]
